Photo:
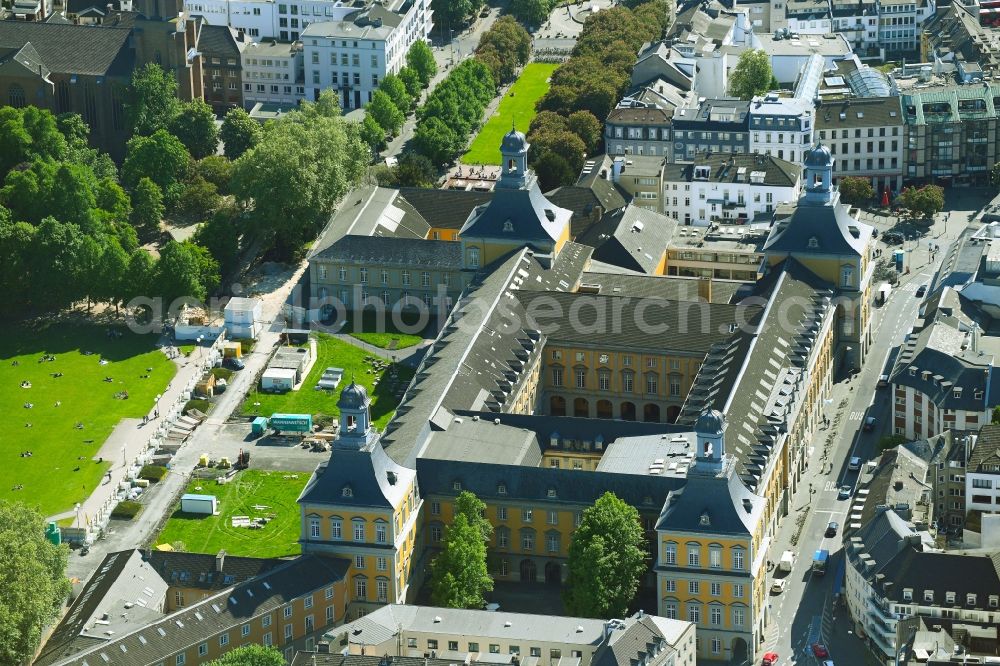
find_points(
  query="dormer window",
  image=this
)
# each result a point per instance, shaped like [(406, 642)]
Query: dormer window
[(929, 596), (957, 392), (913, 372), (813, 243), (908, 594), (501, 489), (704, 519), (508, 226), (347, 492), (970, 599), (551, 493), (994, 601), (949, 597), (456, 485)]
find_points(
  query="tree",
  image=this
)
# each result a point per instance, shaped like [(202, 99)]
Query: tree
[(151, 101), (220, 235), (199, 199), (531, 12), (565, 144), (855, 190), (394, 87), (385, 113), (194, 125), (451, 12), (217, 170), (996, 415), (112, 273), (460, 575), (160, 157), (553, 171), (607, 557), (180, 274), (752, 75), (51, 188), (34, 585), (509, 38), (414, 170), (147, 208), (16, 241), (420, 59), (412, 81), (586, 126), (304, 163), (436, 140), (250, 655), (239, 132), (923, 202), (140, 276), (372, 134), (27, 134)]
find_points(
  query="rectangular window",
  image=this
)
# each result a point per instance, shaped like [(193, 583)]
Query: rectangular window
[(694, 587), (359, 531), (738, 558), (670, 553), (336, 528), (527, 515), (715, 615), (380, 563), (501, 513), (694, 556), (382, 590), (379, 533), (552, 518), (716, 589), (581, 378), (224, 640)]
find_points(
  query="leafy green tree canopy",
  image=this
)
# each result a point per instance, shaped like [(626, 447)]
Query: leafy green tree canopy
[(250, 655), (752, 75), (420, 59), (385, 113), (35, 584), (855, 190), (239, 132), (160, 157), (460, 575), (194, 125), (151, 100), (606, 560)]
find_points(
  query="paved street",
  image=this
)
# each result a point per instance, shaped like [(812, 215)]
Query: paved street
[(805, 610)]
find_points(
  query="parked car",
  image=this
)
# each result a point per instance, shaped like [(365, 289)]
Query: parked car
[(921, 290), (844, 492), (883, 381), (854, 464), (820, 651), (778, 586), (831, 529), (233, 363), (869, 424), (892, 238), (769, 659)]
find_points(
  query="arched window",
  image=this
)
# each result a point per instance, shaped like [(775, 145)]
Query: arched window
[(846, 276), (473, 257), (15, 96)]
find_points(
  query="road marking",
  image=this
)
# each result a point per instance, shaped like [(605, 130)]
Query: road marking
[(830, 486), (855, 416)]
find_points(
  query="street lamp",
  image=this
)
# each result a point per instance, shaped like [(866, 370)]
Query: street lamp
[(200, 338), (256, 408), (156, 408), (124, 459)]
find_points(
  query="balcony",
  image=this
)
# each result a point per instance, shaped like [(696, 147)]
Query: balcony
[(976, 139)]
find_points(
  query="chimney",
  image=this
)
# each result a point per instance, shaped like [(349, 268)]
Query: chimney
[(705, 289), (220, 561)]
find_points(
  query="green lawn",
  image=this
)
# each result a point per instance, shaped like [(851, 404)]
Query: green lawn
[(273, 492), (368, 332), (335, 353), (60, 471), (519, 104)]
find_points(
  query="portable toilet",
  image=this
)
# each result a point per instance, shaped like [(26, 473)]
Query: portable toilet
[(258, 426), (203, 460), (53, 534)]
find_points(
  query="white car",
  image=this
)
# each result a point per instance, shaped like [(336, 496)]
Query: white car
[(778, 586)]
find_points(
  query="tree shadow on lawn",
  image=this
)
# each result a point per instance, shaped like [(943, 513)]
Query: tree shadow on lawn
[(61, 338)]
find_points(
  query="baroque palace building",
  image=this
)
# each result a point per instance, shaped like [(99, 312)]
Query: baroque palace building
[(553, 380)]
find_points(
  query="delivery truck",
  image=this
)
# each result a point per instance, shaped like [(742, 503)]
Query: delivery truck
[(819, 562)]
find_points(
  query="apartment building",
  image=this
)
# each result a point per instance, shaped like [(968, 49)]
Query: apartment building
[(353, 54), (501, 637), (982, 474), (897, 25), (640, 124), (640, 177), (221, 52), (273, 73), (717, 252), (781, 127), (728, 188), (866, 136), (715, 125), (951, 133), (858, 23)]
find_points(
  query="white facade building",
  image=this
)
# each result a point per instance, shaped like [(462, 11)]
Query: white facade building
[(354, 54), (733, 188), (781, 126), (273, 74), (266, 19), (243, 317)]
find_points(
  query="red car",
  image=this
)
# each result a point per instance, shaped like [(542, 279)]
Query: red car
[(770, 659), (820, 651)]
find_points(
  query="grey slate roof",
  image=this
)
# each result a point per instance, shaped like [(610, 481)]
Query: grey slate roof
[(221, 40), (859, 112), (986, 449), (72, 49), (632, 237), (200, 570), (830, 225), (659, 286), (373, 250), (227, 609), (691, 327), (938, 351), (898, 481), (534, 218), (588, 200), (725, 168), (731, 508), (446, 209), (374, 479), (961, 572)]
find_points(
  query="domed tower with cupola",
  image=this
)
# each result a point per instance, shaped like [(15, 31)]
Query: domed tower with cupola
[(710, 433), (361, 506), (819, 175), (518, 216), (355, 418)]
